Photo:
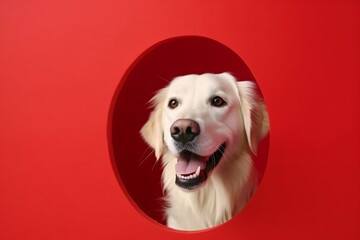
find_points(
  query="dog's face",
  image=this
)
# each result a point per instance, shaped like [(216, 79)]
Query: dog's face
[(201, 114), (200, 119)]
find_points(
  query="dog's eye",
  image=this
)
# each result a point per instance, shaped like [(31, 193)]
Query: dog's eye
[(173, 103), (218, 102)]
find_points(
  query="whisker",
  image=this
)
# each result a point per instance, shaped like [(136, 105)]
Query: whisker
[(162, 78), (157, 160), (142, 160), (221, 149)]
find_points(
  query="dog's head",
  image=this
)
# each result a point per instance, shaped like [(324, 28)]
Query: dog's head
[(200, 119)]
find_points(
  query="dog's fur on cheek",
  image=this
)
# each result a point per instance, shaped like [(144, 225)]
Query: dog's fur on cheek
[(243, 123)]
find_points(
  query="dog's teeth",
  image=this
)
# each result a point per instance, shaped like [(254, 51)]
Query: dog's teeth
[(197, 173), (192, 176)]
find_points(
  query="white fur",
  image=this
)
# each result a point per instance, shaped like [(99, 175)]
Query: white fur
[(242, 123)]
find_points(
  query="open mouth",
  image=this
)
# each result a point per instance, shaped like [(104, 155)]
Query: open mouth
[(192, 170)]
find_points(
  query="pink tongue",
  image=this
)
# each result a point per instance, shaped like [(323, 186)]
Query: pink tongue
[(188, 163)]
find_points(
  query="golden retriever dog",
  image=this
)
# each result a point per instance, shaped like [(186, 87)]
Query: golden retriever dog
[(203, 128)]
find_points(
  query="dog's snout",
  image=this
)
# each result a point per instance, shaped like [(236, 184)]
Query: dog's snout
[(184, 130)]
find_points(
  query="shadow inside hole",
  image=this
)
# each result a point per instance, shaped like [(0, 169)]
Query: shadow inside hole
[(133, 161)]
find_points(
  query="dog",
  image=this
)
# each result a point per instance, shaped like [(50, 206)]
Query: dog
[(204, 128)]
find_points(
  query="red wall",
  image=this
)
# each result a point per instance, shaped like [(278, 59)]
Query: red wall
[(62, 61)]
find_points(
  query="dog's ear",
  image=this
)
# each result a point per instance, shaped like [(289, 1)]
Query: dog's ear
[(255, 116), (152, 131)]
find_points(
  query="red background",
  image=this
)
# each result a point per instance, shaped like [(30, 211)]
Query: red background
[(61, 62)]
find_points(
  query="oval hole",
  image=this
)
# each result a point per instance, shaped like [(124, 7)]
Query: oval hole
[(133, 161)]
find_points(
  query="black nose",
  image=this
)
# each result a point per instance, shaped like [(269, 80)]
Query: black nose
[(184, 130)]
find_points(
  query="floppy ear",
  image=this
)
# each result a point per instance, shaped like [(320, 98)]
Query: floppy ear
[(255, 116), (152, 131)]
